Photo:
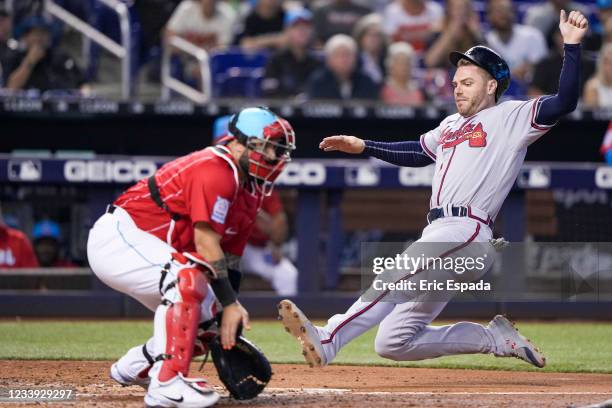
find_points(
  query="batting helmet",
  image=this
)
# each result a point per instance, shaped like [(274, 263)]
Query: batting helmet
[(488, 60)]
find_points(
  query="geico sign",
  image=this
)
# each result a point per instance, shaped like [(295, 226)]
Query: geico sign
[(118, 171), (417, 176), (603, 177), (309, 174)]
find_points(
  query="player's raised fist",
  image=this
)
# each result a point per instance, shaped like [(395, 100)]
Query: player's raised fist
[(573, 26), (342, 143)]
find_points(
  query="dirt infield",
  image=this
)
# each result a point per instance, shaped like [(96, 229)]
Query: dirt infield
[(334, 386)]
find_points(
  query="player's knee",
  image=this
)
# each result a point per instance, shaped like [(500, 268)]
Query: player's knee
[(397, 347), (192, 285), (386, 348)]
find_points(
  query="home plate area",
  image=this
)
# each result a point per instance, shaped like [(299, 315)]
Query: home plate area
[(333, 386)]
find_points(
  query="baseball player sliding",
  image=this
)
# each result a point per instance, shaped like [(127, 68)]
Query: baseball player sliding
[(477, 154), (173, 242)]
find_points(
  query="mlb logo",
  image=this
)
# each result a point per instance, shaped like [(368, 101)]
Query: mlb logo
[(364, 175), (24, 170)]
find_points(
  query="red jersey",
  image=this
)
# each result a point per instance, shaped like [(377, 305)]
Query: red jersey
[(15, 249), (271, 206), (200, 187)]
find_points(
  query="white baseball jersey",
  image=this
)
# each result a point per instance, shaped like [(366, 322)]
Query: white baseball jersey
[(478, 158)]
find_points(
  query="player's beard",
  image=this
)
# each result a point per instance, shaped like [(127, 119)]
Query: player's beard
[(470, 106), (243, 162)]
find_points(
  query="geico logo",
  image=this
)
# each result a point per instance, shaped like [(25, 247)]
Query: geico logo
[(309, 174), (119, 171), (420, 176), (603, 177)]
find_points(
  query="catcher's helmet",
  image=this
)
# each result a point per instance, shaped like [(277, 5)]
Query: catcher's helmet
[(488, 60), (259, 129)]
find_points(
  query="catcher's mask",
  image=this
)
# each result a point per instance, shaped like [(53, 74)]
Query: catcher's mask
[(269, 139)]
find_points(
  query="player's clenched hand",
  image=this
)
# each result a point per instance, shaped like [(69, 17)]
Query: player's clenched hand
[(233, 315), (573, 26), (343, 143)]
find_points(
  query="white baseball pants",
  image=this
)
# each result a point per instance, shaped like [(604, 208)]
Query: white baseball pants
[(130, 260), (404, 332)]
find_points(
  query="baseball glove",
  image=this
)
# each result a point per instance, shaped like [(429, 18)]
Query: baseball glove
[(244, 370)]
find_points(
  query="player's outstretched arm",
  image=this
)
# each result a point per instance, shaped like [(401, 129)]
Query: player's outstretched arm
[(406, 153), (573, 27), (343, 143)]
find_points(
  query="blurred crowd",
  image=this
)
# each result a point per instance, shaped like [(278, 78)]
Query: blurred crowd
[(393, 51)]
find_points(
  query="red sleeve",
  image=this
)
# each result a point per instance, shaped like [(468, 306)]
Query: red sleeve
[(26, 257), (209, 192), (272, 204)]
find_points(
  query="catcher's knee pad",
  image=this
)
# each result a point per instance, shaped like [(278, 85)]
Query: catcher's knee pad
[(181, 321)]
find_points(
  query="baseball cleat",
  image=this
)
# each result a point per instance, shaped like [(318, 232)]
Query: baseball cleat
[(298, 325), (180, 392), (142, 379), (513, 343)]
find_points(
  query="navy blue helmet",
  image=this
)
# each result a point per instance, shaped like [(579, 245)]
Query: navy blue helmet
[(488, 60)]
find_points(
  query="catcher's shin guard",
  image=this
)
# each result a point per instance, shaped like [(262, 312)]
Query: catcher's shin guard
[(176, 322)]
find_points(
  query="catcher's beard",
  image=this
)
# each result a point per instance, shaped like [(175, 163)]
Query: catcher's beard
[(243, 162)]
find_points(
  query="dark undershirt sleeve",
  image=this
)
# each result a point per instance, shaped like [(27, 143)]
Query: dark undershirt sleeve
[(407, 154), (553, 107)]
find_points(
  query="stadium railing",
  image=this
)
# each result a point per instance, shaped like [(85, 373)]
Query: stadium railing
[(121, 51), (170, 83)]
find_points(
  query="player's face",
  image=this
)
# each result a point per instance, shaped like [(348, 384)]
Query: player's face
[(470, 89)]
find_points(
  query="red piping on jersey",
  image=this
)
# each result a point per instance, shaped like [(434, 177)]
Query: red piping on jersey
[(368, 307), (429, 152), (533, 112), (444, 175), (470, 215)]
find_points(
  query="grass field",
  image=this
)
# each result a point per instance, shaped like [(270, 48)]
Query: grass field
[(569, 347)]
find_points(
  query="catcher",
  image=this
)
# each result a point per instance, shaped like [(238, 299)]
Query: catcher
[(173, 242)]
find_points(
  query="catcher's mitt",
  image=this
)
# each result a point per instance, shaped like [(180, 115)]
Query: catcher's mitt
[(244, 370)]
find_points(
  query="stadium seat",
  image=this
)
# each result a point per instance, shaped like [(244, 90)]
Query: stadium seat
[(237, 73), (238, 82)]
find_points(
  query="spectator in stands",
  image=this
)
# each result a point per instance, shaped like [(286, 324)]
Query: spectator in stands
[(15, 248), (263, 27), (337, 17), (601, 30), (340, 78), (38, 65), (47, 245), (546, 72), (413, 21), (521, 46), (544, 16), (460, 30), (287, 71), (598, 89), (372, 43), (154, 15), (400, 88), (6, 28), (205, 23), (377, 6)]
